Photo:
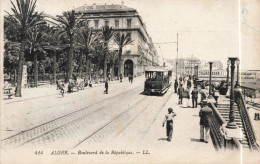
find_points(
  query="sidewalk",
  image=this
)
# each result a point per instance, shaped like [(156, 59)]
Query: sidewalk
[(185, 144), (48, 90)]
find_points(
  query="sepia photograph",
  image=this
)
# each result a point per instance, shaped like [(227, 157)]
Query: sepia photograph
[(130, 81)]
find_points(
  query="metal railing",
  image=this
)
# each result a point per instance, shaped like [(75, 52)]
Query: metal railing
[(218, 134), (250, 134)]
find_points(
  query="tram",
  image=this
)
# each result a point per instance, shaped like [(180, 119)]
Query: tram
[(158, 80)]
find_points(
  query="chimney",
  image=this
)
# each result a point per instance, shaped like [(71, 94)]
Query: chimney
[(94, 6), (105, 5), (122, 4)]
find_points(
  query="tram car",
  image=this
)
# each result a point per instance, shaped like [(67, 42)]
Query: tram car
[(158, 80)]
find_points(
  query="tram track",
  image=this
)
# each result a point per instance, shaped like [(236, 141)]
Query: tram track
[(83, 126), (33, 133), (110, 131)]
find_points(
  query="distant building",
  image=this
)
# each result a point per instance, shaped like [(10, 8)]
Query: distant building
[(141, 53)]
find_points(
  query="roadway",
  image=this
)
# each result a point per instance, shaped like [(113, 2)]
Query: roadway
[(88, 119)]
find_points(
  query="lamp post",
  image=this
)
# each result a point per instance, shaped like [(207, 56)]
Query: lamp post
[(176, 70), (228, 63), (237, 62), (210, 72), (231, 124)]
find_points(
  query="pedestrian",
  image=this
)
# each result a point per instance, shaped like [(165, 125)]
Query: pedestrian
[(106, 86), (169, 123), (205, 116), (188, 84), (175, 86), (121, 77), (180, 93), (194, 96), (109, 77), (131, 78)]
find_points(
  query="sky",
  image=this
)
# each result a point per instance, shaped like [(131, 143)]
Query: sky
[(207, 29)]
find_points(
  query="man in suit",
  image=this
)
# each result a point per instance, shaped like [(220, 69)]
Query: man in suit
[(121, 77), (188, 84), (106, 86), (205, 121), (194, 96), (180, 93), (175, 86)]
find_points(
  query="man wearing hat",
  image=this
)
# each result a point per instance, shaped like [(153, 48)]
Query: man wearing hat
[(205, 120), (169, 123), (180, 93), (194, 96)]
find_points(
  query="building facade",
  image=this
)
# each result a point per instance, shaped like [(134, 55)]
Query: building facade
[(136, 56)]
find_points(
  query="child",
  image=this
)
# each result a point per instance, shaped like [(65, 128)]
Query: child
[(169, 123)]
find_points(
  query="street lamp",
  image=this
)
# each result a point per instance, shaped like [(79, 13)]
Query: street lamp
[(228, 63), (237, 63), (210, 72), (176, 69), (231, 124)]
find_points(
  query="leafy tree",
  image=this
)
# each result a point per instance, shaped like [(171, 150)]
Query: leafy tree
[(86, 40), (36, 39), (113, 56), (69, 22), (121, 40), (23, 18), (107, 34), (56, 44)]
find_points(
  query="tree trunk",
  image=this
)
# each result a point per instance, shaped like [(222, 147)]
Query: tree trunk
[(35, 72), (54, 67), (88, 71), (119, 60), (80, 63), (112, 70), (105, 62), (20, 67), (70, 59), (97, 72)]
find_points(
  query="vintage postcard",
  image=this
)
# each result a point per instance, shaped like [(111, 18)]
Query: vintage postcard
[(130, 81)]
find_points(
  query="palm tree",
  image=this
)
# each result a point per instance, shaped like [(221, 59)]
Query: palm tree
[(106, 33), (121, 40), (69, 23), (85, 39), (24, 17), (113, 56), (36, 40), (55, 45)]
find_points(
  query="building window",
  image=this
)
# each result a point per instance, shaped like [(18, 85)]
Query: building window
[(116, 23), (96, 24), (106, 23), (129, 23)]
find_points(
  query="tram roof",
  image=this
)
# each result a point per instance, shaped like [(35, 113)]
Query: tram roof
[(157, 69)]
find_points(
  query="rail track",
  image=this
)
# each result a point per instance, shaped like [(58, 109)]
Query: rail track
[(43, 129)]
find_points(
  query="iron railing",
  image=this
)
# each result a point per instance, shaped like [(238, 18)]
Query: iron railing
[(250, 134), (218, 134)]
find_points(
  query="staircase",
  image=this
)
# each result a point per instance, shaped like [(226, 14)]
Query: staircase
[(224, 110)]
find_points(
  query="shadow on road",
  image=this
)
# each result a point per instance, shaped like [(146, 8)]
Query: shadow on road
[(195, 140), (162, 139)]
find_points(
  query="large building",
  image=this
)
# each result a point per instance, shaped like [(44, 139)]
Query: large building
[(136, 56)]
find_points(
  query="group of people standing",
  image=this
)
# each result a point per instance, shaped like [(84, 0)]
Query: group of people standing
[(204, 114), (186, 93)]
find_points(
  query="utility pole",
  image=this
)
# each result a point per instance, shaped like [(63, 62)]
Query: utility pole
[(177, 59)]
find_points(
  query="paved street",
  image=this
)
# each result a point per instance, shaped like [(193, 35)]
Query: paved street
[(125, 118)]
